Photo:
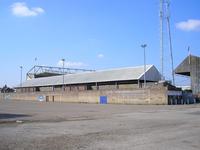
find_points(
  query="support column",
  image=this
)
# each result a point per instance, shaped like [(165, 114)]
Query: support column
[(97, 87), (116, 84), (138, 83)]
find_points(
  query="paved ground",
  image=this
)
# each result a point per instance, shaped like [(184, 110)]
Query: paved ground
[(41, 125)]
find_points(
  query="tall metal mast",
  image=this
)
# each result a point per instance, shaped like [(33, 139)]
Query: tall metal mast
[(170, 40), (161, 39)]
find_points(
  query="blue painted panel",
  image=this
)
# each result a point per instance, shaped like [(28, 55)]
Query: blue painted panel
[(41, 98), (103, 100)]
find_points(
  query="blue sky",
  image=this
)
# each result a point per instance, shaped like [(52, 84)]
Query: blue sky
[(92, 34)]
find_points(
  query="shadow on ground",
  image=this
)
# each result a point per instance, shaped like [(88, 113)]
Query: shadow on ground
[(10, 116)]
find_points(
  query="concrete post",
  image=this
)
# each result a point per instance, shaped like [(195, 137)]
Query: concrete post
[(188, 101), (176, 101), (194, 100), (182, 101)]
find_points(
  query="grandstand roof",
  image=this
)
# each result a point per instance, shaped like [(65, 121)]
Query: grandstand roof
[(119, 74)]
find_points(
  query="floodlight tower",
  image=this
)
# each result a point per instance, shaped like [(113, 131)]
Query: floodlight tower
[(165, 18), (170, 39), (161, 40)]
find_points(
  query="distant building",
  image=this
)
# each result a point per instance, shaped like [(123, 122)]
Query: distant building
[(6, 89)]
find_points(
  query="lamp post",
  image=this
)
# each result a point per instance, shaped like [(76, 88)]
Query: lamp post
[(35, 65), (21, 69), (144, 46), (63, 61)]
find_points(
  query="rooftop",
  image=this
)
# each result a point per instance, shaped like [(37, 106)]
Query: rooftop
[(119, 74)]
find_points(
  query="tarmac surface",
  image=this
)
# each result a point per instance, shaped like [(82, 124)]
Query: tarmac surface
[(68, 126)]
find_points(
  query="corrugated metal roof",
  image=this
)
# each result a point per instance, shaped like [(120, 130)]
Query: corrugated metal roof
[(120, 74)]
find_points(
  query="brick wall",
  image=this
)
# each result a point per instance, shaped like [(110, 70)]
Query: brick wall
[(153, 95)]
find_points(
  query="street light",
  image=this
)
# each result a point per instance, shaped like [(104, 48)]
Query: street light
[(21, 68), (63, 61), (35, 65), (144, 46), (36, 61)]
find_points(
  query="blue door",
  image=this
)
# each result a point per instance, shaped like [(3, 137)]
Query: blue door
[(103, 100)]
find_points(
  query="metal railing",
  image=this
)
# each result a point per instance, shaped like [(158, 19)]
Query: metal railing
[(36, 70)]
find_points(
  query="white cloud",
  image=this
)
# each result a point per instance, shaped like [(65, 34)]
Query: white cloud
[(100, 56), (20, 9), (189, 25), (70, 64)]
